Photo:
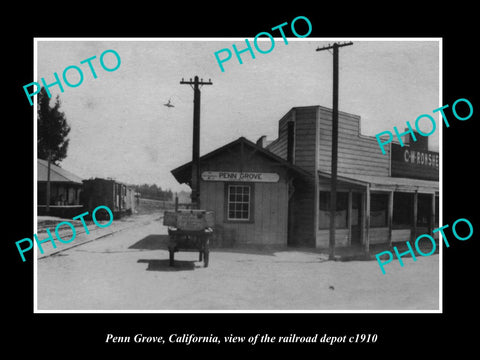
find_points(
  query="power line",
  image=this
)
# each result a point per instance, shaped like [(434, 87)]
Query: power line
[(195, 182), (333, 183)]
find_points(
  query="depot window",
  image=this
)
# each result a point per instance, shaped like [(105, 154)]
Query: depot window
[(340, 214), (239, 202)]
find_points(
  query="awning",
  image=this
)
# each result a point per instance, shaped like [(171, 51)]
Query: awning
[(388, 183)]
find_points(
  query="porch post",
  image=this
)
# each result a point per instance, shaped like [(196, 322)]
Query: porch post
[(390, 217), (415, 215), (349, 217), (367, 218), (432, 214)]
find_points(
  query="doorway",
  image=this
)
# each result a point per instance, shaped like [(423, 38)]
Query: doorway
[(356, 220)]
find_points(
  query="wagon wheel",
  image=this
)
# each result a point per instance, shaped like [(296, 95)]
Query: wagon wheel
[(206, 253), (171, 247), (205, 257), (171, 257)]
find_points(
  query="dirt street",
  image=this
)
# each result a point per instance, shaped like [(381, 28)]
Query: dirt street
[(129, 270)]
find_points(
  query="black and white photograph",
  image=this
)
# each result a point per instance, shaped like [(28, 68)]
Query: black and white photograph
[(219, 180)]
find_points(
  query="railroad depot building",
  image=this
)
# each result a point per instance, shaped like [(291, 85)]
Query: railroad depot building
[(278, 192)]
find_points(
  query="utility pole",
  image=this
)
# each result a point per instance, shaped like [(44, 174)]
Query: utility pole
[(48, 192), (196, 138), (333, 184)]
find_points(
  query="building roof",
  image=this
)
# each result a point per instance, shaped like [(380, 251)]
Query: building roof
[(183, 173), (57, 174), (388, 183)]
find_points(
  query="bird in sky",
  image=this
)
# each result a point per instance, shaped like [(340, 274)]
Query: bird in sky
[(168, 104)]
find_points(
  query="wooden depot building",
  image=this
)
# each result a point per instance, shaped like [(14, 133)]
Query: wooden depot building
[(279, 193)]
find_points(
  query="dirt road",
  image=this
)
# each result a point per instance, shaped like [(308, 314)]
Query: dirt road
[(128, 270)]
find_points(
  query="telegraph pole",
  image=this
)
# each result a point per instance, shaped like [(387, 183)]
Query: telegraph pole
[(333, 183), (196, 138)]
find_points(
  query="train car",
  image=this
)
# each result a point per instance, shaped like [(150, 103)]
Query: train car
[(117, 196)]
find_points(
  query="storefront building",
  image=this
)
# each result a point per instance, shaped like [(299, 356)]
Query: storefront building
[(381, 198), (279, 192)]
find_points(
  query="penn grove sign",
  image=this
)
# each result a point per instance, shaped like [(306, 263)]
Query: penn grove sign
[(239, 176)]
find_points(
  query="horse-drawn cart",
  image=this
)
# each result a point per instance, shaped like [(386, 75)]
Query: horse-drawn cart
[(189, 230)]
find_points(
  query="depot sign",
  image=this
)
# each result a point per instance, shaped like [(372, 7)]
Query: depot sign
[(239, 176)]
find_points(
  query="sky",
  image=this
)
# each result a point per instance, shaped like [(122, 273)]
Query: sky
[(121, 129)]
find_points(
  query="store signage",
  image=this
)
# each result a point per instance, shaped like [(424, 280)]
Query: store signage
[(239, 176), (414, 162), (425, 158)]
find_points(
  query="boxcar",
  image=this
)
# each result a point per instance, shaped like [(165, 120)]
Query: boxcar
[(117, 196)]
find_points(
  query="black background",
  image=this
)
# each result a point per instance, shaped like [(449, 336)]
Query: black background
[(62, 335)]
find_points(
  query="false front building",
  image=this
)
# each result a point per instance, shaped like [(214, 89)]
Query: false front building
[(279, 193)]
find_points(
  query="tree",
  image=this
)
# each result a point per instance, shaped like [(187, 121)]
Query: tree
[(153, 191), (52, 131)]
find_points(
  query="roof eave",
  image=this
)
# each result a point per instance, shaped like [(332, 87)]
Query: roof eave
[(183, 172)]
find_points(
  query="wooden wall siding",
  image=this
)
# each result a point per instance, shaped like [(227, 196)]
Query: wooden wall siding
[(303, 232), (357, 154), (304, 202), (401, 235), (378, 235), (306, 138), (230, 160), (270, 201), (270, 214), (279, 145), (421, 230), (341, 238), (324, 185)]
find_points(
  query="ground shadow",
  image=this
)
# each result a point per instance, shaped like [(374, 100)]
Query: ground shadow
[(160, 242), (246, 249), (164, 265), (152, 242), (350, 253)]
